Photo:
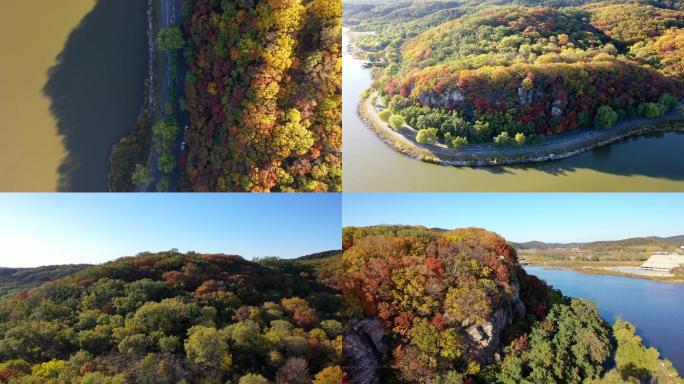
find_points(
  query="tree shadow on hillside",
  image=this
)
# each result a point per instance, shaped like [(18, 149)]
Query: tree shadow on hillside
[(96, 87)]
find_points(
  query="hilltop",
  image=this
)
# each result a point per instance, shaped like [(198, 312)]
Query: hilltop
[(170, 317)]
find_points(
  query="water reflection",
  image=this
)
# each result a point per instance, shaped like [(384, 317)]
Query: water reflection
[(95, 89)]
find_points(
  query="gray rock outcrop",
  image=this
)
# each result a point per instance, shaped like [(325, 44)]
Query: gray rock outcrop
[(452, 97), (364, 350)]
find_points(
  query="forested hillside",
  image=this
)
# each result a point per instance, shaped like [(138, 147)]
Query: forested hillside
[(492, 71), (18, 279), (456, 307), (175, 318), (264, 95), (632, 249)]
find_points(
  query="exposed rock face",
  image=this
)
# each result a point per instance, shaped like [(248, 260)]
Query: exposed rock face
[(451, 98), (557, 108), (525, 97), (485, 338), (364, 350), (516, 303)]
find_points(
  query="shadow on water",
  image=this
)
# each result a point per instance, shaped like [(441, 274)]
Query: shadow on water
[(655, 155), (96, 89)]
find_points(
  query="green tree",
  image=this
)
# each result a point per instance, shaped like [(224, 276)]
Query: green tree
[(667, 101), (483, 131), (650, 110), (458, 142), (136, 344), (165, 133), (502, 139), (169, 344), (170, 317), (207, 346), (332, 328), (170, 39), (605, 117), (166, 163), (427, 136), (384, 115), (396, 122)]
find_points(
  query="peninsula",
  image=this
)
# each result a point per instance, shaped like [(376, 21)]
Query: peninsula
[(486, 83)]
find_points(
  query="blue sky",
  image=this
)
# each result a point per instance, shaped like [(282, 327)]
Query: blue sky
[(42, 229), (525, 217)]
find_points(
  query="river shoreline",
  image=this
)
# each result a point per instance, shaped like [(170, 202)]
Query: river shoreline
[(405, 142), (652, 306), (134, 148), (603, 270)]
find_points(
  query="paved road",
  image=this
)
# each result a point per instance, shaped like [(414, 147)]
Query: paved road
[(558, 143), (170, 15)]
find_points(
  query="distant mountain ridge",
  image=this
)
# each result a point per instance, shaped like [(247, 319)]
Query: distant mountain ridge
[(320, 255), (18, 279), (594, 245)]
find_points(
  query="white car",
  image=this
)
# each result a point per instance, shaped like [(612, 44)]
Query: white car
[(183, 146)]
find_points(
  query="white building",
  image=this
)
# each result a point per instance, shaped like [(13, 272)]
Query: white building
[(664, 262)]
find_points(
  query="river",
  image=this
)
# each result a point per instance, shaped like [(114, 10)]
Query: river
[(72, 74), (654, 307), (649, 163)]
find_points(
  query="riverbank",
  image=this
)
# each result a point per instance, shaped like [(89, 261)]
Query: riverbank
[(652, 306), (479, 155), (613, 268), (134, 149)]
